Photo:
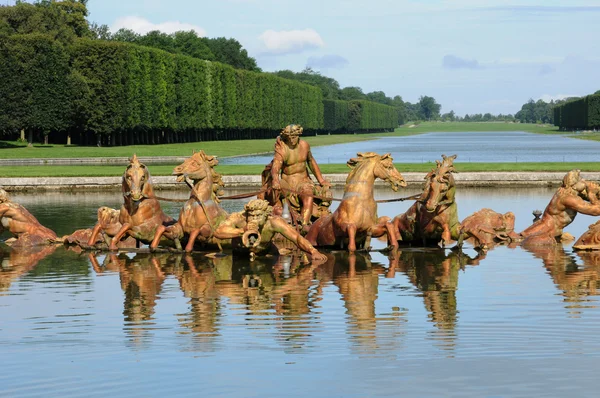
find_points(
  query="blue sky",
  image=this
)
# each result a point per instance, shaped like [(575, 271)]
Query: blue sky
[(471, 56)]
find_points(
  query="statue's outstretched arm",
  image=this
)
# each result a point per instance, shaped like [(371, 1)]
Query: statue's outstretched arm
[(581, 206), (233, 227), (314, 167)]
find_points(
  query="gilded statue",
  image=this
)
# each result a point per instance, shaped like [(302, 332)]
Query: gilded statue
[(25, 228), (287, 177), (254, 228), (434, 216), (570, 198), (355, 220)]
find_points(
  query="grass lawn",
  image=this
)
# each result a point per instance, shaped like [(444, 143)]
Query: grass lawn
[(430, 127), (17, 150), (103, 171)]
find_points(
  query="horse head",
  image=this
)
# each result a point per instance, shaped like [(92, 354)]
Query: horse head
[(136, 181), (383, 168), (200, 167), (439, 182)]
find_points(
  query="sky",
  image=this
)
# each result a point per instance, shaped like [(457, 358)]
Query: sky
[(472, 56)]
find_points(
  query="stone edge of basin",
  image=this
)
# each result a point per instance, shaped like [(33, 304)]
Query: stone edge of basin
[(470, 179)]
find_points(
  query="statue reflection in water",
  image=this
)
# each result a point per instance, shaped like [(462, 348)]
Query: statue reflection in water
[(285, 293), (576, 281), (141, 280), (17, 261), (435, 273)]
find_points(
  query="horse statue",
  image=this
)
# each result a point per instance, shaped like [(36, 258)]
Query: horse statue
[(201, 214), (141, 214), (355, 220), (434, 216)]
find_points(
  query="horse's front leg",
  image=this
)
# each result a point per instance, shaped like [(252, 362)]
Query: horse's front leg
[(157, 235), (446, 235), (94, 235), (115, 240), (351, 231)]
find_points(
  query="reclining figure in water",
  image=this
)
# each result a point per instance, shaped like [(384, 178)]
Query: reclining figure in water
[(26, 229)]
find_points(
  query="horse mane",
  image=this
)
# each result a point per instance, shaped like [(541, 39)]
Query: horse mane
[(354, 163)]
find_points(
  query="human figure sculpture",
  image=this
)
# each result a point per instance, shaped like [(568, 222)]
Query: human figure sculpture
[(434, 216), (355, 220), (487, 228), (570, 198), (254, 229), (25, 228), (289, 174)]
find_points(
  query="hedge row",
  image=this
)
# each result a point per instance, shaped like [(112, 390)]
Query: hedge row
[(582, 113), (359, 115), (119, 93)]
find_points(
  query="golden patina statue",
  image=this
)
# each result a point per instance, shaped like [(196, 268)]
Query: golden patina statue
[(141, 214), (201, 214), (571, 198), (487, 228), (287, 177), (356, 220), (25, 228), (254, 228), (104, 230), (434, 216)]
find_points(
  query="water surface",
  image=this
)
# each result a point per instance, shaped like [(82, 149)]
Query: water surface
[(493, 147), (429, 323)]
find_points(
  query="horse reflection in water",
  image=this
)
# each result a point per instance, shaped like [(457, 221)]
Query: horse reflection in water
[(435, 274), (372, 332), (141, 281), (578, 282)]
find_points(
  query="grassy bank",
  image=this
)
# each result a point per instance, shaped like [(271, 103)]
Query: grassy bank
[(104, 171), (440, 127), (18, 150)]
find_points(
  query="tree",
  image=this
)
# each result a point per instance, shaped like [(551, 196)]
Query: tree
[(352, 93), (428, 108), (189, 43), (329, 86), (230, 51), (380, 97)]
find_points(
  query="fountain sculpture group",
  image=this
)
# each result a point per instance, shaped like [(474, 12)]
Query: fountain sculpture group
[(260, 228)]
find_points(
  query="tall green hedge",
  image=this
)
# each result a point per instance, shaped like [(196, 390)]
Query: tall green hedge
[(582, 113), (359, 116), (120, 93)]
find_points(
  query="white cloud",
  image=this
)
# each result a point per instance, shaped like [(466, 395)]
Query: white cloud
[(143, 26), (290, 41), (549, 97)]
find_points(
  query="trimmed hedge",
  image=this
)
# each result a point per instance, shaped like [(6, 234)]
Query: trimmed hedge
[(582, 113), (118, 93)]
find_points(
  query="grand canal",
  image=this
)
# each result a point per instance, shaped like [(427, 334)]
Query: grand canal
[(427, 323)]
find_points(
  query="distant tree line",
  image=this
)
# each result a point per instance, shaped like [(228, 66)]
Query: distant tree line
[(61, 80)]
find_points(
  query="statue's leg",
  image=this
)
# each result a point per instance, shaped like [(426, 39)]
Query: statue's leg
[(351, 230), (307, 205), (157, 235), (115, 240), (392, 238), (192, 239), (94, 235)]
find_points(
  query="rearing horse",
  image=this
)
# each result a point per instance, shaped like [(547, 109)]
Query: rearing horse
[(356, 217), (141, 214), (201, 214), (434, 216)]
